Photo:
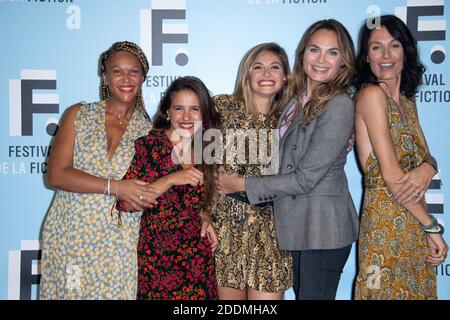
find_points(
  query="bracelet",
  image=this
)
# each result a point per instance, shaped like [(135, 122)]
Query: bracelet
[(117, 189), (105, 189), (434, 227), (109, 186), (431, 161)]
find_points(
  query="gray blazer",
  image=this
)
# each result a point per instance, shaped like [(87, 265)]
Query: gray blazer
[(313, 208)]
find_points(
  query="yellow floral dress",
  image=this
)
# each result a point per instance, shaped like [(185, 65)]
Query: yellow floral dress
[(248, 254), (392, 246), (86, 253)]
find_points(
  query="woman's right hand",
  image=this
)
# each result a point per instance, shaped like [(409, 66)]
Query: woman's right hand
[(191, 176), (437, 248), (414, 184), (138, 194), (229, 183)]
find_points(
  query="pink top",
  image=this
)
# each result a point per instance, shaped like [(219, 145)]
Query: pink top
[(290, 114)]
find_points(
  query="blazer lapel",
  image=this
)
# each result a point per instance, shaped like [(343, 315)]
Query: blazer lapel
[(298, 120), (285, 111)]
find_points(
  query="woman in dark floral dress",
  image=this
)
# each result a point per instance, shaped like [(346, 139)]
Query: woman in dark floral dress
[(174, 260)]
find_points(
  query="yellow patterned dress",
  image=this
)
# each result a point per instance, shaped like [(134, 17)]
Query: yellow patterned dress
[(86, 254), (392, 246), (248, 254)]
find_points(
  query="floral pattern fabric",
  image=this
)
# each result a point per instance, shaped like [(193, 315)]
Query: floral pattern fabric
[(174, 261), (86, 254), (392, 246)]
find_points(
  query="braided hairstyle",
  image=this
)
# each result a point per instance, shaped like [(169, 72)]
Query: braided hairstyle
[(139, 54)]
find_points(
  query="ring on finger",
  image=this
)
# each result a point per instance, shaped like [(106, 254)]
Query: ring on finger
[(141, 197)]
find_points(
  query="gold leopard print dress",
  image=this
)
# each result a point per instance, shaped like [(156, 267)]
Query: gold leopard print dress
[(248, 254), (392, 246)]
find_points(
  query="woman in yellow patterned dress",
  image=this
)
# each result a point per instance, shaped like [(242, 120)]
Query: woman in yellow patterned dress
[(249, 264), (399, 242), (86, 253)]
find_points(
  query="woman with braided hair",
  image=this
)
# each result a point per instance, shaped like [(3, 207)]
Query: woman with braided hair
[(87, 252)]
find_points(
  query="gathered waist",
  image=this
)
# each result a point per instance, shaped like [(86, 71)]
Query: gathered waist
[(374, 183)]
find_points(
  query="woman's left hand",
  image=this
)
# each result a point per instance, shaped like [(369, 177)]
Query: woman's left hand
[(208, 230), (414, 184), (437, 249), (229, 183)]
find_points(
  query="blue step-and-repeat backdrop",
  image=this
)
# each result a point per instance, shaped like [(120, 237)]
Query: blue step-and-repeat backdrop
[(48, 61)]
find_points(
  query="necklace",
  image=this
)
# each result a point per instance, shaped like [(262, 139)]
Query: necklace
[(121, 118)]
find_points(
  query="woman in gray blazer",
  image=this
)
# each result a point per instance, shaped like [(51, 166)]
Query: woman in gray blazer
[(315, 217)]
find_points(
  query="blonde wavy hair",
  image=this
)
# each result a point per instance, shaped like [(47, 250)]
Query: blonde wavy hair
[(327, 90), (242, 88)]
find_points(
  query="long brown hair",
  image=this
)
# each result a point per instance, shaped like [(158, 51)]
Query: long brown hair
[(242, 89), (210, 120), (327, 90)]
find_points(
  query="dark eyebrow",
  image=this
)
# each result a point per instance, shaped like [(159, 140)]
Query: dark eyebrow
[(316, 46), (182, 106)]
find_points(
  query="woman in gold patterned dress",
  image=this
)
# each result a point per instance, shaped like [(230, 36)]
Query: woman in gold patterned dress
[(249, 264), (86, 253), (399, 242)]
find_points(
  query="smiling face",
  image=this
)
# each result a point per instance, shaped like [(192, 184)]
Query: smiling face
[(385, 55), (267, 75), (123, 75), (322, 58), (185, 111)]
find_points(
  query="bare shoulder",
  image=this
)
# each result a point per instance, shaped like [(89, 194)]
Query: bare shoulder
[(70, 114), (73, 109), (369, 98), (369, 91)]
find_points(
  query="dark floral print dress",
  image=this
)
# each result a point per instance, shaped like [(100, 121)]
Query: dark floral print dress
[(174, 262)]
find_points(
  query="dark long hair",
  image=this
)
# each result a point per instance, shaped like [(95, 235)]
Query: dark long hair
[(413, 69), (210, 120)]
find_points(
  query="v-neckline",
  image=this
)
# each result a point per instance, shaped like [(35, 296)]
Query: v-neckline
[(403, 116), (106, 134)]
